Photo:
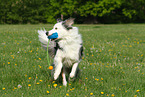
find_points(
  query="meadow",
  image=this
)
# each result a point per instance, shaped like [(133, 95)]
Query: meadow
[(113, 64)]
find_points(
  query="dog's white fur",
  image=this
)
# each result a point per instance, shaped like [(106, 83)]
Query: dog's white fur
[(70, 41)]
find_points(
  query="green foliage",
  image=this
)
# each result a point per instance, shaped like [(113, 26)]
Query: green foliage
[(47, 11)]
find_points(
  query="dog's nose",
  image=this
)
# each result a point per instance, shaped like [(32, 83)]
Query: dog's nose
[(47, 33)]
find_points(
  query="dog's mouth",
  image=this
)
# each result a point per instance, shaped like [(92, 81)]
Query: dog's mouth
[(53, 36)]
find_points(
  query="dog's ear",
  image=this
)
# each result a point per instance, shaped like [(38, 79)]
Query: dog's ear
[(68, 23), (59, 20)]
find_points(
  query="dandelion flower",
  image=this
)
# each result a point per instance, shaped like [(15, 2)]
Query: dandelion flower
[(15, 88), (37, 83), (19, 86), (29, 85), (67, 94), (135, 95), (91, 93), (102, 92), (29, 77), (55, 85), (47, 91), (137, 90), (112, 95), (40, 80), (4, 88)]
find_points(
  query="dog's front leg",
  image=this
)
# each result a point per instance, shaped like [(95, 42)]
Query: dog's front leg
[(73, 71), (58, 67)]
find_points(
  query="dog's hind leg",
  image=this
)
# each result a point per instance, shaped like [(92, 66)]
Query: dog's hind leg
[(73, 71), (64, 77)]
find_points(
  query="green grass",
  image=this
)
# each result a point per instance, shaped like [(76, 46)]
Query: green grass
[(113, 64)]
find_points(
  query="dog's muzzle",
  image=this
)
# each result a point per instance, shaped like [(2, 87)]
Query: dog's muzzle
[(53, 36)]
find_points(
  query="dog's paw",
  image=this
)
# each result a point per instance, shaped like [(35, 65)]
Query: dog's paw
[(56, 75), (71, 75), (65, 83)]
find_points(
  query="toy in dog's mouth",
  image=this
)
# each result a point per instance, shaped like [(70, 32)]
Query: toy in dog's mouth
[(53, 36)]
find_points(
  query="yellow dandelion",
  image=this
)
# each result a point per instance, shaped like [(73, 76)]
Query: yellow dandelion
[(39, 66), (29, 77), (102, 92), (15, 88), (96, 79), (40, 80), (91, 63), (29, 85), (53, 82), (55, 85), (86, 78), (8, 62), (101, 78), (137, 42), (130, 45), (141, 55), (112, 95), (69, 84), (135, 95), (48, 85), (82, 57), (91, 93), (73, 88), (67, 94), (47, 92), (39, 58), (15, 64), (137, 90), (110, 50), (4, 88), (37, 83)]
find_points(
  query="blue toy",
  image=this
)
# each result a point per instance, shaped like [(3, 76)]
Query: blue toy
[(53, 36)]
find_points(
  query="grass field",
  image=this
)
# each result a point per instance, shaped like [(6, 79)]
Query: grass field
[(113, 64)]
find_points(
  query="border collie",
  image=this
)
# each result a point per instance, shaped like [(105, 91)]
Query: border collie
[(65, 47)]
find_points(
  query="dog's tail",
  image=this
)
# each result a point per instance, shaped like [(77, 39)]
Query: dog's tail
[(43, 38)]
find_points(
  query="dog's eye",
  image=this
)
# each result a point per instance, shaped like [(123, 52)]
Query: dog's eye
[(56, 28)]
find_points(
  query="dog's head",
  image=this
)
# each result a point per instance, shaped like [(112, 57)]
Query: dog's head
[(60, 29)]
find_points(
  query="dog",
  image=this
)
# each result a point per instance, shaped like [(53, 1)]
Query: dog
[(65, 47)]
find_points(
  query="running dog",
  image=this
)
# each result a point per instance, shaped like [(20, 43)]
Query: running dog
[(65, 47)]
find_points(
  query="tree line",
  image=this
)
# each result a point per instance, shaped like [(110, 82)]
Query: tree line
[(85, 11)]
